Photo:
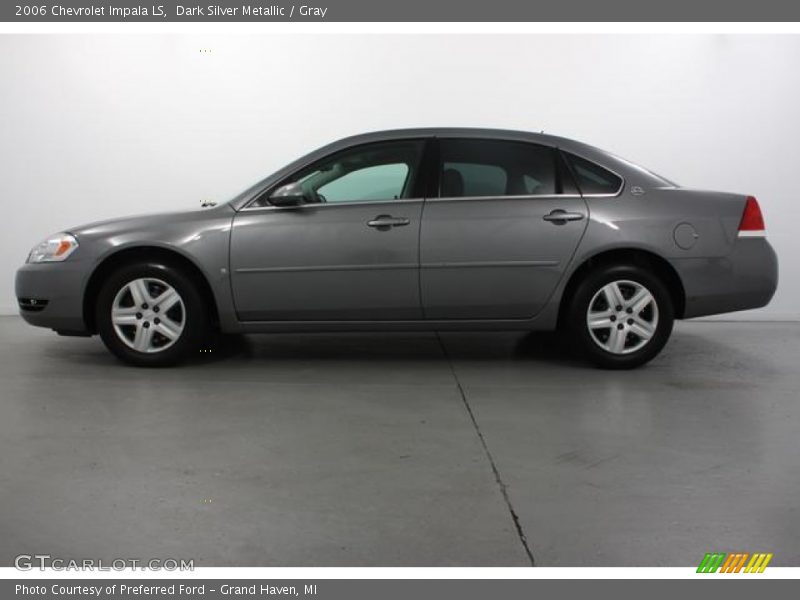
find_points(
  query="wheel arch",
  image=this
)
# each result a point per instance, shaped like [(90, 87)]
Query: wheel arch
[(636, 256), (130, 255)]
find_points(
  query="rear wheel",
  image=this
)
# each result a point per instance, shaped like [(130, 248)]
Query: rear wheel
[(620, 316), (151, 314)]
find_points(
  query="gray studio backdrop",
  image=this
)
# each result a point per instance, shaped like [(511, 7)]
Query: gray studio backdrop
[(103, 126)]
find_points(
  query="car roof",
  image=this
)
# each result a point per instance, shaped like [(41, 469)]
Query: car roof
[(460, 132), (592, 153)]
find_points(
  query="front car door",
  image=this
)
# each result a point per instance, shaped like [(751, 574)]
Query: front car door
[(350, 252), (496, 241)]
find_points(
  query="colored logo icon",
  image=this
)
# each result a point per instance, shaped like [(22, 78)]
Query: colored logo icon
[(714, 562)]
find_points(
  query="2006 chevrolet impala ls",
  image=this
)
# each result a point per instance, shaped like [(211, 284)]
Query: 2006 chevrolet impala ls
[(425, 229)]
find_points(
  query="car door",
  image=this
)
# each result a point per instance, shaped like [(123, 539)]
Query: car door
[(496, 241), (350, 251)]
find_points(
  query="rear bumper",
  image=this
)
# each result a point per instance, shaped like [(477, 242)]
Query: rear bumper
[(745, 279), (51, 295)]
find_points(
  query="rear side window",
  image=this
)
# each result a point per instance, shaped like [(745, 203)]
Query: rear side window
[(592, 178), (495, 168)]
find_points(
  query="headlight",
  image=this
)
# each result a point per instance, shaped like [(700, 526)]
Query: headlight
[(54, 249)]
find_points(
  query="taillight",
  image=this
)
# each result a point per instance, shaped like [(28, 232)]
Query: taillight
[(752, 224)]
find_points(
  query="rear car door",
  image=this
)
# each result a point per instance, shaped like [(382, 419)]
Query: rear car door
[(350, 253), (496, 240)]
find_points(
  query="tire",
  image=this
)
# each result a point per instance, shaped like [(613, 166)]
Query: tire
[(151, 314), (618, 339)]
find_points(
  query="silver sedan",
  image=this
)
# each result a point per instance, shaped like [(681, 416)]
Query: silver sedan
[(424, 229)]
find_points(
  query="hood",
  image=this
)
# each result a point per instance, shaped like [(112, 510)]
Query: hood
[(147, 222)]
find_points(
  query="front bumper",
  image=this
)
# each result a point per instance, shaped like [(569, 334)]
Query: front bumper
[(51, 295), (744, 279)]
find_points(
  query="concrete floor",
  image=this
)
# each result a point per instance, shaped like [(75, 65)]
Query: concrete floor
[(390, 450)]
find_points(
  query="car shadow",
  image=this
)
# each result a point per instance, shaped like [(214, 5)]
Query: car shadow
[(688, 350), (547, 347)]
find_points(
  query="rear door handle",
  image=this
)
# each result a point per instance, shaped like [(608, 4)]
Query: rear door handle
[(561, 216), (384, 222)]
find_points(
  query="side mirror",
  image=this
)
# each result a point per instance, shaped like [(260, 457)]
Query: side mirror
[(291, 194)]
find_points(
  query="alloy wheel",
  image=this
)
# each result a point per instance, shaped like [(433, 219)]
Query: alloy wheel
[(148, 315), (622, 317)]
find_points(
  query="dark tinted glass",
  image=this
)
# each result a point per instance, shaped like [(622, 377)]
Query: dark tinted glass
[(495, 168), (592, 178)]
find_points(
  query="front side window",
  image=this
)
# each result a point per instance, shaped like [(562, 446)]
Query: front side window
[(471, 168), (378, 182), (592, 178), (377, 172)]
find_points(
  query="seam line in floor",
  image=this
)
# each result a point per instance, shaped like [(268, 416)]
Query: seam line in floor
[(498, 478)]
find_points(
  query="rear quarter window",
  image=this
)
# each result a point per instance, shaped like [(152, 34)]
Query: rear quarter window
[(591, 177)]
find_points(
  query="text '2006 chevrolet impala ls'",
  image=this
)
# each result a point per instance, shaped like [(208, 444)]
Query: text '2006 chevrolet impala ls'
[(425, 229)]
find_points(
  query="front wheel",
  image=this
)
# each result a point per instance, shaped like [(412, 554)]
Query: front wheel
[(620, 317), (151, 315)]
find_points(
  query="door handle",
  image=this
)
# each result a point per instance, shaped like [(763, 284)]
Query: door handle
[(560, 217), (384, 222)]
